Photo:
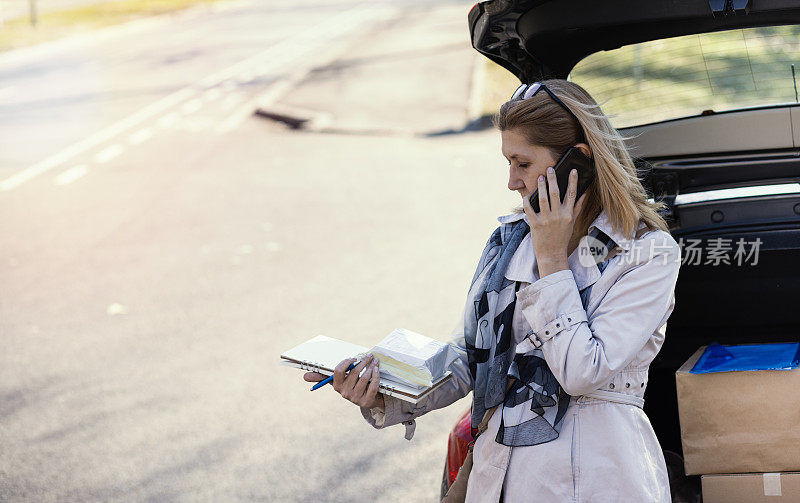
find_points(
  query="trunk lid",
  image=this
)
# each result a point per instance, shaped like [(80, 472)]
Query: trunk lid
[(536, 39)]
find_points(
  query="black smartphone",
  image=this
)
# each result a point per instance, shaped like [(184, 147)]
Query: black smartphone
[(572, 159)]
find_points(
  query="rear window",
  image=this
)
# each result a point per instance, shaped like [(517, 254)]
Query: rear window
[(683, 76)]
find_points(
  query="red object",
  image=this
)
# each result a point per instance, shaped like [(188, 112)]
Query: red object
[(457, 444)]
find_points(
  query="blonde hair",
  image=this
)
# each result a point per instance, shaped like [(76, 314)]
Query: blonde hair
[(617, 188)]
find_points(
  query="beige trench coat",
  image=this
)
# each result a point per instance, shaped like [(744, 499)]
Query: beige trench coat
[(607, 449)]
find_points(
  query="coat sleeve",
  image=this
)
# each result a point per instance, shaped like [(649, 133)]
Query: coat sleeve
[(583, 354), (396, 411)]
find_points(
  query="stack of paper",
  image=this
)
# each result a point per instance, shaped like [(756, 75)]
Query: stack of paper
[(322, 354), (412, 358)]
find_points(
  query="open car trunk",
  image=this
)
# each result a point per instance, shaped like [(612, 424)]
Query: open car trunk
[(749, 194), (728, 178)]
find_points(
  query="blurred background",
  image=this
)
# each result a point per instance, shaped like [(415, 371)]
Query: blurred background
[(189, 188)]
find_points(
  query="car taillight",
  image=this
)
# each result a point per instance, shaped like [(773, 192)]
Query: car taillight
[(457, 443)]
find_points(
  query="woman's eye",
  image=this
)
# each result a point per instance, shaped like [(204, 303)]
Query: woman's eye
[(522, 165)]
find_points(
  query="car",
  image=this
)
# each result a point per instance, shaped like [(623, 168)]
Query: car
[(707, 94)]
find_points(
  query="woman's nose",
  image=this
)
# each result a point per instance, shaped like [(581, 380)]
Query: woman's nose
[(514, 181)]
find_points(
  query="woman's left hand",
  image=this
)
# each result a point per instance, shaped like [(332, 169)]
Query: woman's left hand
[(552, 227)]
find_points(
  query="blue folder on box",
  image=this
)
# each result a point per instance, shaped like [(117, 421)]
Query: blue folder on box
[(720, 358)]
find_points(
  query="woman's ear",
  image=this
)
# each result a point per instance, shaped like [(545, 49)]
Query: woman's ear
[(585, 149)]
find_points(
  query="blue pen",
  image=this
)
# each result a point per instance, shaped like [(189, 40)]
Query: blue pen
[(330, 379)]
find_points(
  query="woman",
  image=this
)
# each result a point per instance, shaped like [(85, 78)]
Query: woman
[(571, 305)]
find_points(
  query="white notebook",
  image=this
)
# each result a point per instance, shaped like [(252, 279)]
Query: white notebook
[(322, 354)]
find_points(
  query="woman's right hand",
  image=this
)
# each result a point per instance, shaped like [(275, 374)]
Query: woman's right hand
[(362, 391)]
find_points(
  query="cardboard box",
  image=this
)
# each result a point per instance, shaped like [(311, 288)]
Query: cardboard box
[(739, 422), (751, 487)]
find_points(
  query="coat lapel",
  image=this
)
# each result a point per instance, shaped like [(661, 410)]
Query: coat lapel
[(601, 243)]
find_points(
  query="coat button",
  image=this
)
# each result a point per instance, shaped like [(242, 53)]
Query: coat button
[(569, 319), (611, 385), (627, 385), (546, 332), (642, 385)]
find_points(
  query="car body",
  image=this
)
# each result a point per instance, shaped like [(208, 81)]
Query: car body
[(722, 149)]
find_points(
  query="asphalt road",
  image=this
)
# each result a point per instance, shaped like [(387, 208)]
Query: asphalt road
[(161, 246)]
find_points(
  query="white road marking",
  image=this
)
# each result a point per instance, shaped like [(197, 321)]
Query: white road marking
[(238, 116), (271, 58), (92, 141), (168, 120), (192, 106), (231, 100), (108, 153), (71, 175), (140, 136), (281, 88), (212, 94)]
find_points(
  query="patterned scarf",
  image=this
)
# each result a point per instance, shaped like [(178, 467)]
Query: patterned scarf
[(491, 347)]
